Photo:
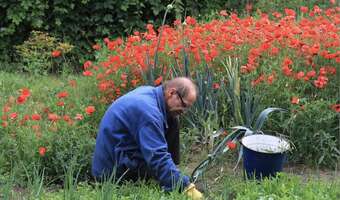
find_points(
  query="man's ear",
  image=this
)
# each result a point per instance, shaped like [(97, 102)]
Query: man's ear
[(171, 91), (168, 92)]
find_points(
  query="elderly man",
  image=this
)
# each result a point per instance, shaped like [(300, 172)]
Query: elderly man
[(132, 139)]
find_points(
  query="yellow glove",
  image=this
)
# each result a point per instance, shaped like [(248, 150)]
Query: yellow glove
[(192, 192)]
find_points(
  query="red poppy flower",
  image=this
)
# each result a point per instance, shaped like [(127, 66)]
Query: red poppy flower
[(216, 85), (46, 110), (6, 108), (311, 73), (290, 12), (158, 81), (36, 117), (295, 100), (79, 117), (123, 77), (317, 9), (134, 82), (87, 73), (90, 109), (87, 65), (60, 103), (331, 70), (270, 79), (53, 117), (42, 151), (66, 118), (62, 94), (300, 75), (4, 124), (190, 20), (321, 82), (21, 99), (303, 9), (25, 92), (274, 51), (177, 22), (223, 13), (13, 115), (336, 107), (277, 14), (103, 86), (26, 117), (4, 117), (231, 145), (96, 47), (56, 53)]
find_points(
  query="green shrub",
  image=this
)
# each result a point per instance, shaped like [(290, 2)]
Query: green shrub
[(40, 52), (315, 132)]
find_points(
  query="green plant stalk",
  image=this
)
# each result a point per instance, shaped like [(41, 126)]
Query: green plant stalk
[(150, 73), (70, 183), (35, 183), (161, 31), (234, 88), (219, 150)]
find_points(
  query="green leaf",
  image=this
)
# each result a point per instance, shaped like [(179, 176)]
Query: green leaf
[(263, 116), (108, 18), (124, 7)]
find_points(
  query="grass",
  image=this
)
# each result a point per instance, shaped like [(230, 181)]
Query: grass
[(41, 86), (231, 186)]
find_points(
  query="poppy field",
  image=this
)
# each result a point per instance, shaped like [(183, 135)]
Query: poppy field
[(241, 64), (283, 59)]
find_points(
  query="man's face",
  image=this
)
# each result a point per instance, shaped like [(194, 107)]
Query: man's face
[(177, 104)]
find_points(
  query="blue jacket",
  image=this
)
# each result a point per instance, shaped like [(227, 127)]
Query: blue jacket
[(131, 133)]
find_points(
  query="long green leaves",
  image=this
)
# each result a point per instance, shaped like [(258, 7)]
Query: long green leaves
[(264, 115), (219, 150), (233, 89)]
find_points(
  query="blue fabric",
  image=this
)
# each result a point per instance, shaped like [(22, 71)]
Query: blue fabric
[(131, 134)]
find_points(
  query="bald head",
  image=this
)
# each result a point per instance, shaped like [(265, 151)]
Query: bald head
[(179, 94), (183, 85)]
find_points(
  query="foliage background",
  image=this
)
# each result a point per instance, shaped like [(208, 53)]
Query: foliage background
[(82, 22)]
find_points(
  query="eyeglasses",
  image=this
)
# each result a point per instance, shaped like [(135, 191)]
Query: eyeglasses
[(184, 105)]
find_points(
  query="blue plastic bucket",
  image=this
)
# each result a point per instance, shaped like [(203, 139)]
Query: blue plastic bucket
[(263, 155)]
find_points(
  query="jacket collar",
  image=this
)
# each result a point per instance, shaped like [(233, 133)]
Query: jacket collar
[(161, 103)]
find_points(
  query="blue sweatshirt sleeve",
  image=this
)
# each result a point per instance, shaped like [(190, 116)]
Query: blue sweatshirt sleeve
[(153, 146)]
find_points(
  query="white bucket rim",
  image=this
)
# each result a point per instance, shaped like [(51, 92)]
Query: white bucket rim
[(265, 143)]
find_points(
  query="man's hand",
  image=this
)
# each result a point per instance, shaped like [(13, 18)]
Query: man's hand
[(193, 193)]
